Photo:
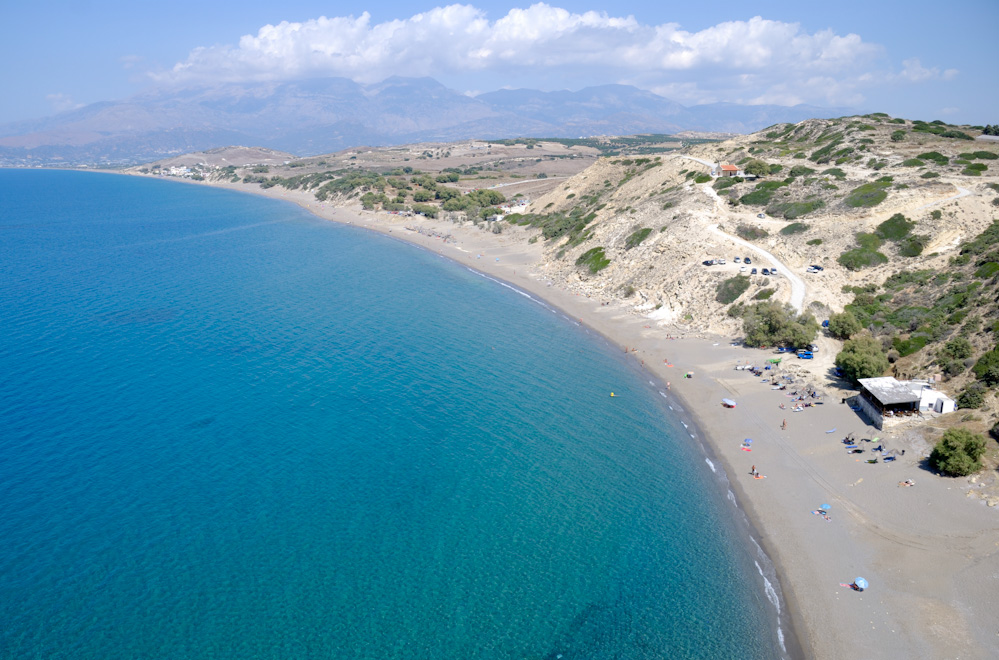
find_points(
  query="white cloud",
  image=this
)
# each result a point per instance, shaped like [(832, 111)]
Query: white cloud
[(62, 102), (758, 60), (914, 71)]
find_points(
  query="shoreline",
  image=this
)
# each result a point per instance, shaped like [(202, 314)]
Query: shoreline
[(929, 552)]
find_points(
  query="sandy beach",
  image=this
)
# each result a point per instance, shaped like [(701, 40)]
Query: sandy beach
[(929, 552)]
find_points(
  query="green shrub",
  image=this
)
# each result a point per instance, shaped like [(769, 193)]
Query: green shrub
[(794, 210), (913, 246), (770, 323), (929, 175), (835, 172), (986, 369), (865, 255), (594, 259), (636, 238), (867, 195), (910, 345), (764, 294), (895, 228), (751, 233), (862, 357), (844, 325), (935, 156), (958, 453), (757, 198), (897, 136), (725, 182), (814, 241), (957, 135), (729, 290), (702, 178), (987, 270), (913, 162), (958, 348), (800, 170), (985, 155), (794, 228), (971, 172)]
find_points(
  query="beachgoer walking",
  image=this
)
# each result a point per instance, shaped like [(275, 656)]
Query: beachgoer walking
[(752, 470), (783, 426)]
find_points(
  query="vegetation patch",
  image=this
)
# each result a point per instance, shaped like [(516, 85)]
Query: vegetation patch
[(729, 290), (594, 259), (764, 294), (959, 452), (637, 237), (895, 228), (987, 270), (702, 178), (935, 156), (868, 194), (814, 241), (794, 228), (913, 162), (750, 232), (865, 255), (835, 172), (794, 210), (770, 323)]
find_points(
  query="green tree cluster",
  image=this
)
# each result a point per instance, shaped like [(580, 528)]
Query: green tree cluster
[(862, 357), (770, 323), (844, 326), (757, 168), (958, 453)]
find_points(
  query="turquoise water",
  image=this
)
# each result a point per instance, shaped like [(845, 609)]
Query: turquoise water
[(230, 430)]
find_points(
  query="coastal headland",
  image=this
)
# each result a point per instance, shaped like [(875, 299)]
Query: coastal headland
[(929, 552)]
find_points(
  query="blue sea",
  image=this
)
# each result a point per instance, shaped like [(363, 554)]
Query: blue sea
[(231, 430)]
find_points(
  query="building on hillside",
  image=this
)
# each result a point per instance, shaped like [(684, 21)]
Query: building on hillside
[(728, 170), (888, 402)]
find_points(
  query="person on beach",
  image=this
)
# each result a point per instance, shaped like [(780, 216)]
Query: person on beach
[(753, 471), (783, 426)]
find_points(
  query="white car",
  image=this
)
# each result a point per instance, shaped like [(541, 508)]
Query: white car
[(773, 271), (742, 269)]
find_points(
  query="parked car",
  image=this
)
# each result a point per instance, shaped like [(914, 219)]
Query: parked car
[(737, 260), (786, 349), (817, 268), (766, 271), (752, 272), (814, 348), (708, 262), (747, 260), (720, 261), (805, 355), (773, 271), (760, 215), (742, 269)]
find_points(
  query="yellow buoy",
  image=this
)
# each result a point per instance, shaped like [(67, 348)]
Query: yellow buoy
[(612, 394)]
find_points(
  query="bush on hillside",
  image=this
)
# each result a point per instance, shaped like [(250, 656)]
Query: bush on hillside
[(729, 290), (862, 357), (594, 259), (636, 238), (935, 156), (986, 369), (794, 228), (958, 453), (895, 228), (751, 233), (868, 194), (897, 136)]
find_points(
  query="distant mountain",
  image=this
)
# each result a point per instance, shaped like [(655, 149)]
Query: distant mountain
[(323, 115)]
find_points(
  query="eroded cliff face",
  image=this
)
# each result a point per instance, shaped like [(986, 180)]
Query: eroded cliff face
[(810, 215)]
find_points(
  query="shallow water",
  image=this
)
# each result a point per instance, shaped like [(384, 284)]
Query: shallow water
[(229, 429)]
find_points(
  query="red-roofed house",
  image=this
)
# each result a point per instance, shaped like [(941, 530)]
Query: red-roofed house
[(729, 170)]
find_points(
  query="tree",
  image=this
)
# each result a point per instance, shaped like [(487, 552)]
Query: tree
[(897, 136), (958, 348), (770, 323), (844, 326), (862, 357), (987, 367), (757, 168), (958, 453)]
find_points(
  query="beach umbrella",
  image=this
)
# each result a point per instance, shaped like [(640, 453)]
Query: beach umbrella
[(728, 402), (748, 441), (825, 507), (861, 582)]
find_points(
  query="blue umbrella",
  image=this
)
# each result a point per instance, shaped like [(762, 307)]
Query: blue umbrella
[(861, 582), (748, 441), (826, 507)]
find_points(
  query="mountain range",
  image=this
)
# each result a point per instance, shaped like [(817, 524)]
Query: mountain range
[(323, 115)]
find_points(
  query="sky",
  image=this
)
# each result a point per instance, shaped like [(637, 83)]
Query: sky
[(912, 59)]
